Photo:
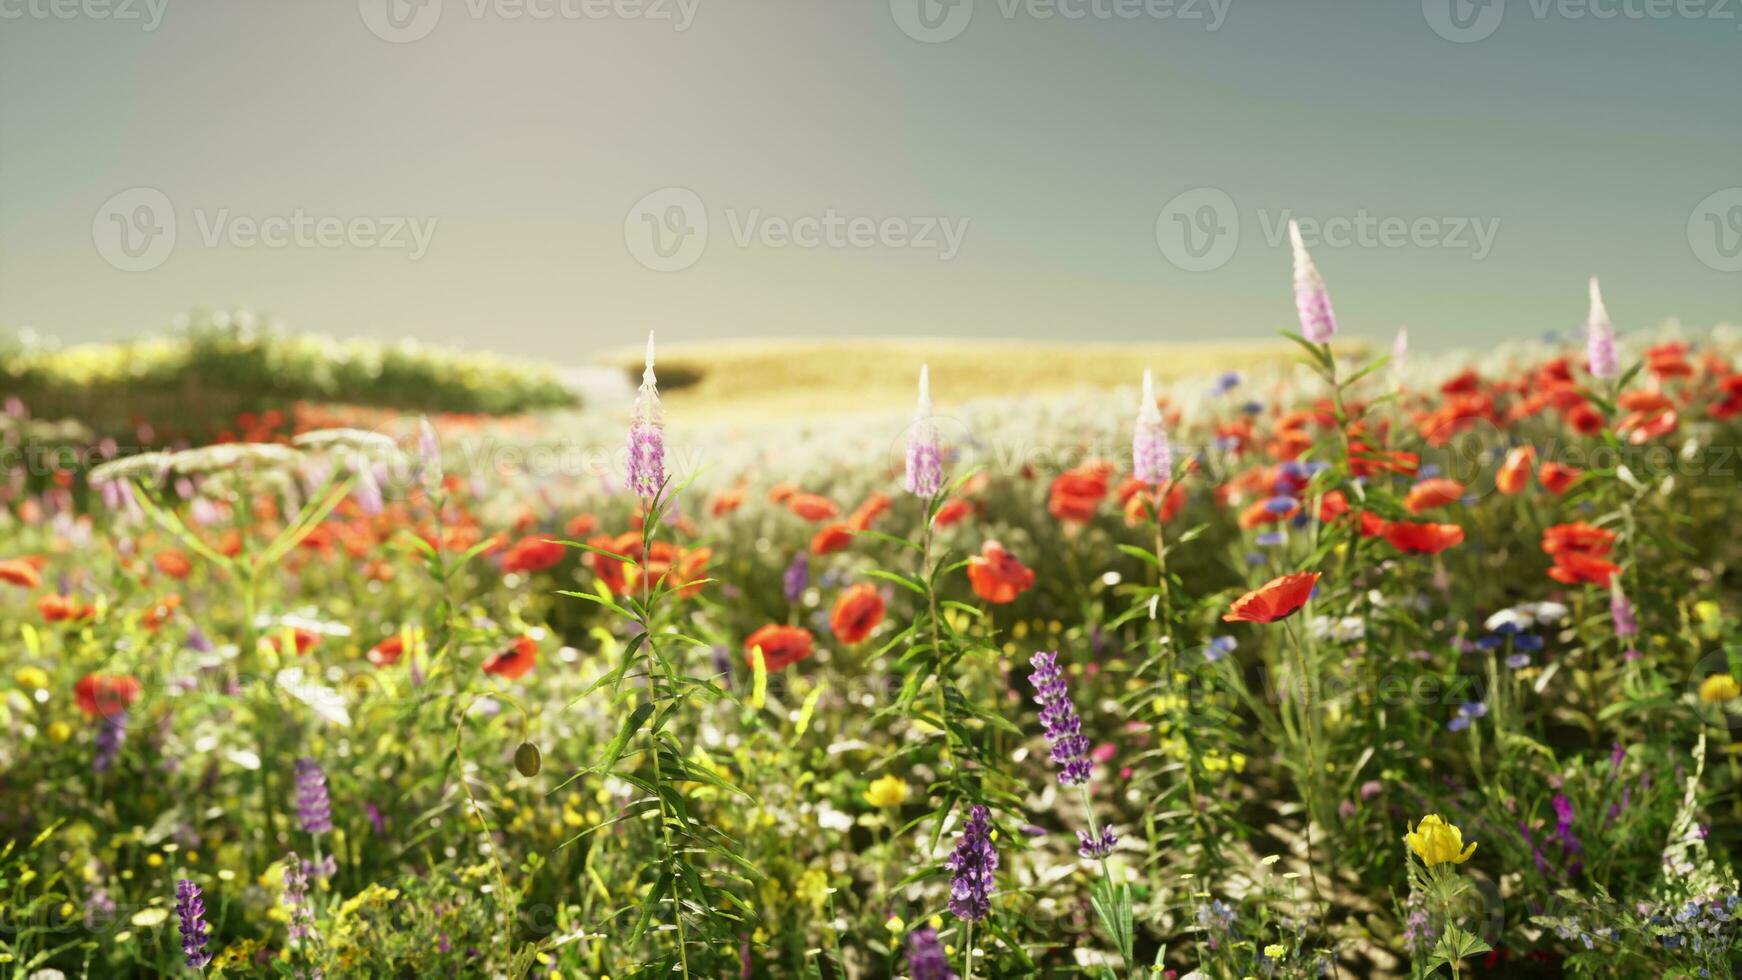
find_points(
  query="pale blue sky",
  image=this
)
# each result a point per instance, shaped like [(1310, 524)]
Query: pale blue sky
[(1007, 181)]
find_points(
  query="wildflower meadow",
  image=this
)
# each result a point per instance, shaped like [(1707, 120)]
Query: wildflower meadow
[(1370, 664)]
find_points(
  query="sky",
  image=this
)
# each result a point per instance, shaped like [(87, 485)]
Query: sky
[(547, 178)]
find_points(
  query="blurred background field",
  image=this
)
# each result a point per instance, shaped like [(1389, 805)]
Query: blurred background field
[(198, 377), (776, 379)]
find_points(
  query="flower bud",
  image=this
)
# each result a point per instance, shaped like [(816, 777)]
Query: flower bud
[(527, 759)]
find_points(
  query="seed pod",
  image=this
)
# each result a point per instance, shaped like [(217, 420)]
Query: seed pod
[(527, 759)]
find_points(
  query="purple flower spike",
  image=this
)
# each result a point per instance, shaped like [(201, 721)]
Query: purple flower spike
[(1058, 716), (647, 435), (1318, 323), (313, 808), (1096, 848), (1621, 610), (973, 866), (925, 466), (1600, 337), (925, 956), (192, 911), (1151, 455)]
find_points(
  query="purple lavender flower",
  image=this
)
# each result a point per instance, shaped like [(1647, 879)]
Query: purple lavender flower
[(1058, 716), (111, 735), (925, 956), (1600, 337), (798, 577), (973, 866), (313, 808), (429, 456), (368, 493), (1095, 848), (1318, 323), (647, 435), (192, 911), (1621, 610), (925, 467), (1151, 454), (302, 916)]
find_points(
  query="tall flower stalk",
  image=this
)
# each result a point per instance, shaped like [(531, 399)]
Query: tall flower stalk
[(1070, 747), (684, 841), (973, 877)]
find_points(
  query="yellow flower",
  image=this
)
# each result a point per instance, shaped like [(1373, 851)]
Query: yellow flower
[(59, 731), (1275, 951), (31, 678), (1437, 842), (1719, 687), (887, 791)]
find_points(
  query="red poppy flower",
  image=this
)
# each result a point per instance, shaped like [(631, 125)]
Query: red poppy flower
[(1077, 492), (513, 663), (1276, 599), (1429, 494), (388, 651), (1558, 477), (692, 568), (533, 554), (867, 513), (1514, 474), (1573, 567), (159, 614), (303, 640), (1578, 537), (813, 507), (612, 571), (1585, 419), (780, 493), (1259, 513), (997, 576), (782, 646), (581, 525), (173, 563), (952, 511), (20, 573), (105, 694), (726, 501), (857, 612), (1423, 539), (835, 536), (63, 608)]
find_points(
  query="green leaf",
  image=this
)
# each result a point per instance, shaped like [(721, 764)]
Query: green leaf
[(631, 725)]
